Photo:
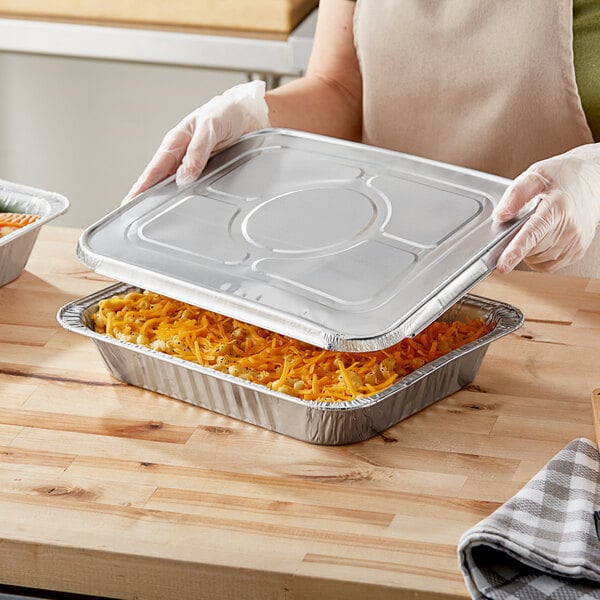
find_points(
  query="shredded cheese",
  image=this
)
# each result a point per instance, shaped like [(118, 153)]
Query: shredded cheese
[(281, 363)]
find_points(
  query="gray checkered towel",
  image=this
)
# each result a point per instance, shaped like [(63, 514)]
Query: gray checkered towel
[(543, 543)]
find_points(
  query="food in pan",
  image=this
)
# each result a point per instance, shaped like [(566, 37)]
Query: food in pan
[(281, 363), (10, 222)]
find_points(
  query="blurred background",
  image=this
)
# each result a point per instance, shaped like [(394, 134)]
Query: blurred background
[(86, 127)]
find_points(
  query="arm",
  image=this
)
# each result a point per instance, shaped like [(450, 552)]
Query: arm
[(327, 100)]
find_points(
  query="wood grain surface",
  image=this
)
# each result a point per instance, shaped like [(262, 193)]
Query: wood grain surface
[(596, 411), (278, 16), (111, 490)]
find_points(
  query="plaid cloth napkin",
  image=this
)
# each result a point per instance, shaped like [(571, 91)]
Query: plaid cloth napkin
[(543, 543)]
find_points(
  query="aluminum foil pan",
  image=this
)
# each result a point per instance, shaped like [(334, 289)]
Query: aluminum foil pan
[(338, 244), (329, 423), (16, 248)]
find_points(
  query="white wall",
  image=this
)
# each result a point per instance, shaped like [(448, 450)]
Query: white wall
[(86, 128)]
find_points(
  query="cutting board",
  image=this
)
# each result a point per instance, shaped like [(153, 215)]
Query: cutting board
[(279, 16), (596, 407)]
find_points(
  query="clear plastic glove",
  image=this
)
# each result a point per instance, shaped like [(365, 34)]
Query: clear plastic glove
[(217, 124), (562, 227)]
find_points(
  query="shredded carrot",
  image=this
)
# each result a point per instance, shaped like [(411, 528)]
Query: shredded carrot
[(11, 222), (17, 220), (271, 359)]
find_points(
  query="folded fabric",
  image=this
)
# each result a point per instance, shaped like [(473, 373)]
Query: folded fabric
[(542, 543)]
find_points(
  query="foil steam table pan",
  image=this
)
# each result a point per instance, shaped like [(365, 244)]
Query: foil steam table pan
[(328, 423), (342, 245), (16, 248)]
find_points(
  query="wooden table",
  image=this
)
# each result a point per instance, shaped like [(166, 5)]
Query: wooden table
[(111, 490)]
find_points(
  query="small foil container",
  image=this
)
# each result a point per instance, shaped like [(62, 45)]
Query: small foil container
[(16, 248), (327, 423)]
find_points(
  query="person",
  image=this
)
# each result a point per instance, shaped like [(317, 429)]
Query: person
[(503, 87)]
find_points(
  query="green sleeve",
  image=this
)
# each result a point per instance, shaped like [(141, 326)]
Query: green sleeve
[(586, 49)]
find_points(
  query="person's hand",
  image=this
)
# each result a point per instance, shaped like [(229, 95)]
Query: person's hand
[(563, 225), (186, 149)]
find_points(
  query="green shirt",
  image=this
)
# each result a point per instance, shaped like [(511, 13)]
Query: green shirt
[(586, 48)]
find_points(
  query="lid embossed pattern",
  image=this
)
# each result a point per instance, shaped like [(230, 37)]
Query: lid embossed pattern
[(338, 244)]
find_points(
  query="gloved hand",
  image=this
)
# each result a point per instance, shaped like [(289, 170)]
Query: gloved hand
[(186, 148), (564, 222)]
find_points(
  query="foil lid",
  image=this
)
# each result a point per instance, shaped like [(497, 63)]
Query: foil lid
[(342, 245)]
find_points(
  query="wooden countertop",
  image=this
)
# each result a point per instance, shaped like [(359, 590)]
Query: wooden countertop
[(111, 490)]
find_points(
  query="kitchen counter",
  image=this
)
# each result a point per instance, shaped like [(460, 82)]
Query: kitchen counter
[(111, 490), (265, 55)]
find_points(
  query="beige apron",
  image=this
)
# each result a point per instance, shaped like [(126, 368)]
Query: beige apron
[(462, 81)]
